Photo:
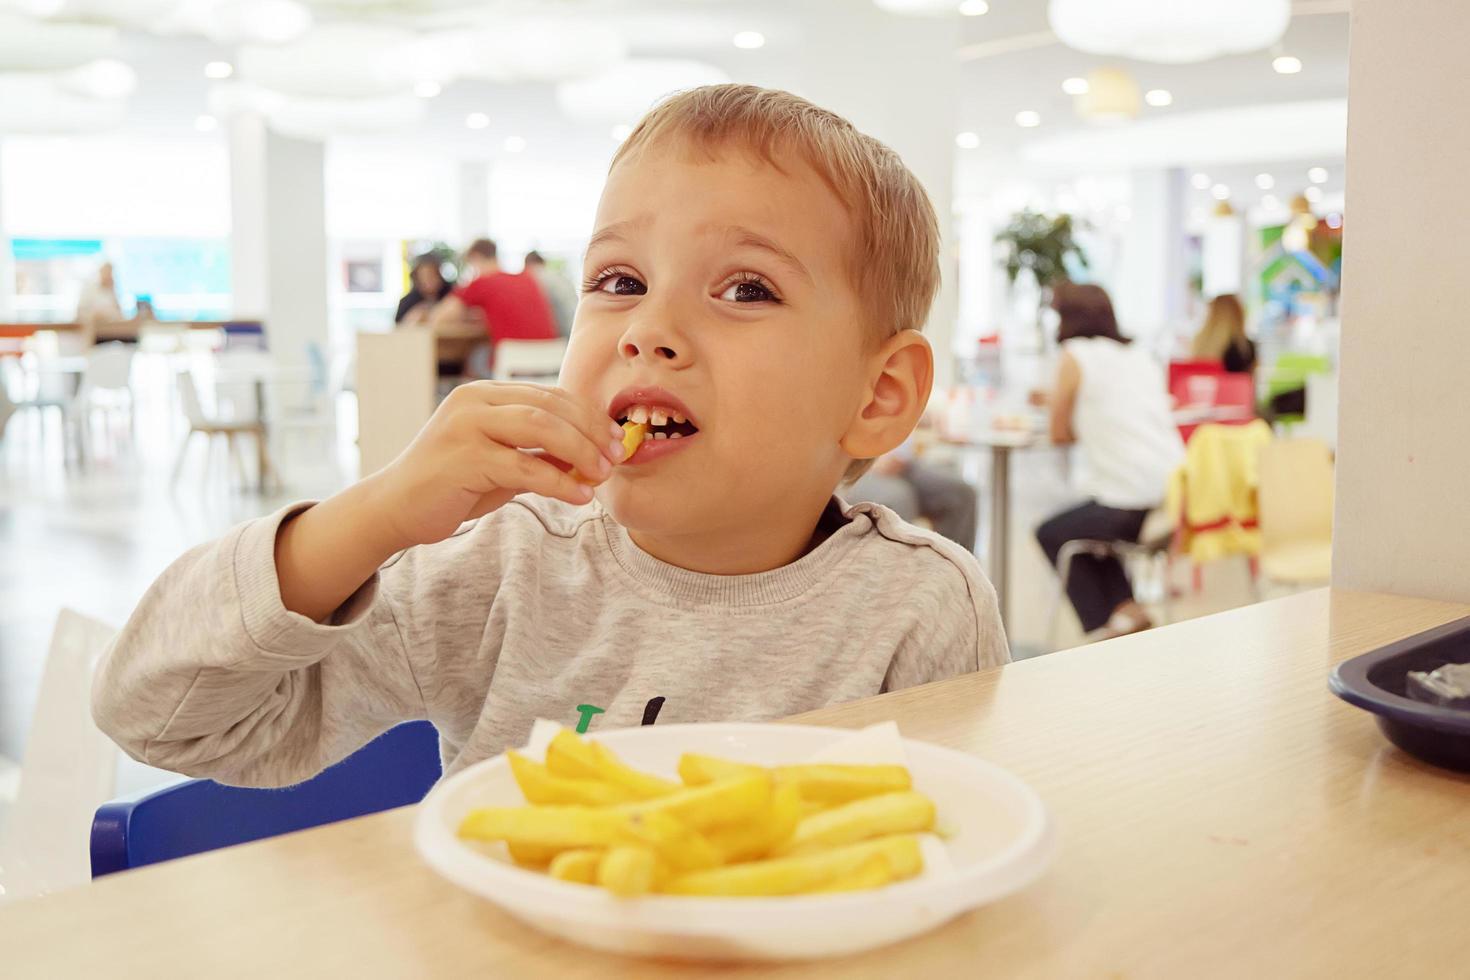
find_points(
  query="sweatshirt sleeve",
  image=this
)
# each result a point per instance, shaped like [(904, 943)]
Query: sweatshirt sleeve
[(959, 629), (212, 676)]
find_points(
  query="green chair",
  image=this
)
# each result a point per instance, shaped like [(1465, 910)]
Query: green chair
[(1289, 373)]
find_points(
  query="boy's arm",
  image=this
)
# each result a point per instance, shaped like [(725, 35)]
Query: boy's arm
[(213, 676)]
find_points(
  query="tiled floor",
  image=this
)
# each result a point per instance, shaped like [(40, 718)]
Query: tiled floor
[(94, 538)]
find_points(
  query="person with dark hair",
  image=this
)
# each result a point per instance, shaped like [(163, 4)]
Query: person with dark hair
[(560, 293), (427, 287), (1109, 400), (512, 305)]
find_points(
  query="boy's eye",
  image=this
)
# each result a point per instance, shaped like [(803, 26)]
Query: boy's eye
[(747, 291), (621, 285)]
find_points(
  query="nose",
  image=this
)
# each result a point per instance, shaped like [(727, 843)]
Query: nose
[(648, 339)]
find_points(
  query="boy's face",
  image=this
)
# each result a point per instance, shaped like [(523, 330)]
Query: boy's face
[(720, 290)]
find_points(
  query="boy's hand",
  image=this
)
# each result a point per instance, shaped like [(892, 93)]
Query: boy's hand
[(468, 460)]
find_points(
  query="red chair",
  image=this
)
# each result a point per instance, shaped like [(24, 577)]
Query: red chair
[(1207, 383)]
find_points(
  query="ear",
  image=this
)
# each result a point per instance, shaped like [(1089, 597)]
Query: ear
[(900, 375)]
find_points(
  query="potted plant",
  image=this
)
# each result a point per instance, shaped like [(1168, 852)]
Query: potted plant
[(1044, 245)]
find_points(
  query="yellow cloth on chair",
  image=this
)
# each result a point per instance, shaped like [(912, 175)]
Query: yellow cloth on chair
[(1212, 497)]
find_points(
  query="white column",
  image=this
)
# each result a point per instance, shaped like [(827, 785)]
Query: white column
[(278, 237), (1151, 283), (474, 202), (1402, 521), (897, 79), (7, 262)]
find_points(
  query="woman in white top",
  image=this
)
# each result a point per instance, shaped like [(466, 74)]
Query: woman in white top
[(1111, 400)]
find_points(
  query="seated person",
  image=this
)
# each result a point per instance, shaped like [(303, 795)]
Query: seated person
[(1223, 338), (913, 489), (1110, 401), (427, 287), (757, 308), (512, 306)]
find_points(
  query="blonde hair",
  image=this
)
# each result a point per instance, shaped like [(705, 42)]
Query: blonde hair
[(895, 261), (1224, 328)]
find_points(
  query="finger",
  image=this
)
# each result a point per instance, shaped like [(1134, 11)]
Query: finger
[(511, 469), (593, 422), (528, 427), (489, 502)]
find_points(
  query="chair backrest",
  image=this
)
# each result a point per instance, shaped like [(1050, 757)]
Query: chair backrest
[(189, 400), (1295, 491), (70, 767), (528, 359), (1180, 372), (395, 769), (1291, 370), (1321, 419), (109, 367)]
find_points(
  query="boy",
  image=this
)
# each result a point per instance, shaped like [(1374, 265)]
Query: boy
[(754, 287)]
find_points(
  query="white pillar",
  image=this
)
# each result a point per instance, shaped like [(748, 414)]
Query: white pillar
[(278, 236), (897, 79), (474, 202), (1402, 522), (1151, 277), (7, 263)]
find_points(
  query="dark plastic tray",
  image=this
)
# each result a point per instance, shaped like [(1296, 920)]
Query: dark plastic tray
[(1376, 680)]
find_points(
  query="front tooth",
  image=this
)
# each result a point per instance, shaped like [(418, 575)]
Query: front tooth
[(678, 418), (638, 414), (658, 417), (660, 435)]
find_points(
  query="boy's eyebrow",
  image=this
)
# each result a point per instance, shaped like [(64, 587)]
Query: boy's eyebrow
[(615, 232), (745, 238)]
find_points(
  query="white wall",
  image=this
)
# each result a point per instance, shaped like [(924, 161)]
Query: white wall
[(1403, 474)]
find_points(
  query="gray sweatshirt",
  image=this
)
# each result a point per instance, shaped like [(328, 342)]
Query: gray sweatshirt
[(538, 610)]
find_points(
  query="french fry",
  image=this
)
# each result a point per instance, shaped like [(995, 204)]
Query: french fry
[(842, 784), (681, 848), (628, 871), (532, 855), (579, 865), (639, 784), (540, 786), (697, 770), (802, 873), (729, 801), (875, 872), (558, 828), (576, 758), (757, 836), (875, 816)]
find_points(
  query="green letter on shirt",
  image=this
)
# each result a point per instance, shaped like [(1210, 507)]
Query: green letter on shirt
[(586, 711)]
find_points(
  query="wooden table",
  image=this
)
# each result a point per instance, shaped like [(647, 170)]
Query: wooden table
[(1221, 815)]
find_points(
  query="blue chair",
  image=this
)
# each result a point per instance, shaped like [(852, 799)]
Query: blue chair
[(395, 769)]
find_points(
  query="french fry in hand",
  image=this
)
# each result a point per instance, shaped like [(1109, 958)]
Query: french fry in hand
[(541, 786), (875, 816), (875, 872), (762, 832), (696, 769), (802, 873), (841, 784), (575, 758), (729, 801), (579, 865), (628, 871)]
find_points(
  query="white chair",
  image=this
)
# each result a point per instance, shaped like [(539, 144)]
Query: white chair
[(106, 387), (1149, 554), (70, 769), (528, 360), (210, 427)]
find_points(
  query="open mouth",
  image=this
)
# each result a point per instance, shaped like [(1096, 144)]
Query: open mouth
[(662, 422)]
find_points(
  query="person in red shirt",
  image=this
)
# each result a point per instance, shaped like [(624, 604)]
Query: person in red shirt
[(513, 305)]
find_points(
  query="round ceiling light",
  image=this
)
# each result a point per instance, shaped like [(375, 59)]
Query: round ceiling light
[(967, 140), (105, 78), (1167, 30), (749, 40)]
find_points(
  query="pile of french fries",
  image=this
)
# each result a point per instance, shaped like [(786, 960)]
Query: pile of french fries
[(729, 829)]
